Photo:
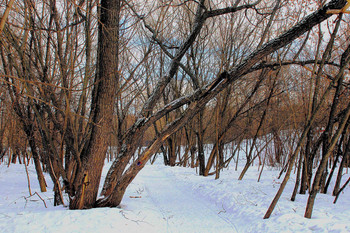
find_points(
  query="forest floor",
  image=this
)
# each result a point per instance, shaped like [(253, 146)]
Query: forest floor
[(173, 199)]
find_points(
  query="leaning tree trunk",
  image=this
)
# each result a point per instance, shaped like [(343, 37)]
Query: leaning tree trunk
[(94, 152), (323, 164), (36, 158), (341, 167), (345, 59)]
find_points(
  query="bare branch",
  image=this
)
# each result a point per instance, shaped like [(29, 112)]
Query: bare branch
[(227, 10)]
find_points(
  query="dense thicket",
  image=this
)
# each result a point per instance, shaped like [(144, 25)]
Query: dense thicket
[(192, 81)]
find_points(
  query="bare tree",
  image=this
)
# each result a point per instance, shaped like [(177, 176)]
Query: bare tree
[(49, 69)]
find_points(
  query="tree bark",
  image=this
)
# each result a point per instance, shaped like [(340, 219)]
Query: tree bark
[(200, 144), (341, 167), (323, 164), (103, 99)]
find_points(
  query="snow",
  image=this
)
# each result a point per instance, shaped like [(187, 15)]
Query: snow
[(173, 199)]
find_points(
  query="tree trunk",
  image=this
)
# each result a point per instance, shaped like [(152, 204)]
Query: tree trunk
[(200, 144), (262, 120), (303, 136), (103, 99), (307, 165), (341, 167), (172, 150), (297, 181), (37, 164), (323, 164)]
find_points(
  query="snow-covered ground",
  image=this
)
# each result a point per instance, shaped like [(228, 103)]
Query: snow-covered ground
[(173, 199)]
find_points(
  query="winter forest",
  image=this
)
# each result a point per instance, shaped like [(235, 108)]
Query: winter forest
[(236, 109)]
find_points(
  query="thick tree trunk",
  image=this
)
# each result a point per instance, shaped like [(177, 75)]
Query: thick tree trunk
[(103, 99)]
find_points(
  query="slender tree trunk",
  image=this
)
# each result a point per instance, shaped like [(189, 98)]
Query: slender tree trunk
[(345, 59), (37, 164), (341, 167), (323, 164), (297, 181), (340, 190), (307, 165), (327, 183), (172, 150), (262, 120), (200, 144)]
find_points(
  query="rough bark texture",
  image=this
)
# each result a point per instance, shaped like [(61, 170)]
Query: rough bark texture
[(89, 175)]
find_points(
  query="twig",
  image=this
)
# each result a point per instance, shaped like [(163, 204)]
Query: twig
[(136, 221), (38, 196), (25, 165), (41, 199), (223, 209)]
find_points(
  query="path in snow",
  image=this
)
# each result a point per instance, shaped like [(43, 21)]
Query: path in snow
[(180, 206), (172, 200)]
